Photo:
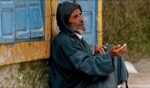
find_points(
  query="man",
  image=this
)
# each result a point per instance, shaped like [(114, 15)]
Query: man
[(73, 65)]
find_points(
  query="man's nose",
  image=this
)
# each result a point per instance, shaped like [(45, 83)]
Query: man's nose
[(81, 18)]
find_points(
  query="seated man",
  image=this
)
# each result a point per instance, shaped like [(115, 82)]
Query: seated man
[(72, 63)]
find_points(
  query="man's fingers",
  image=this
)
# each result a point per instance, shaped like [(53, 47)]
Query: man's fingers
[(101, 50), (118, 51), (104, 47), (124, 46), (122, 49), (125, 50), (117, 46)]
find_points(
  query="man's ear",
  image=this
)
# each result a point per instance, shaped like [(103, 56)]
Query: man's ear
[(69, 24)]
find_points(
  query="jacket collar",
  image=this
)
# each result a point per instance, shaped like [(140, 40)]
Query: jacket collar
[(79, 36)]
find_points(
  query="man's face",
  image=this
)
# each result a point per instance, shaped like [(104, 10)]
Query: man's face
[(76, 20)]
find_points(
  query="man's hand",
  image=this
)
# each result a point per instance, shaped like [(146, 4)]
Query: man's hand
[(100, 50), (118, 50)]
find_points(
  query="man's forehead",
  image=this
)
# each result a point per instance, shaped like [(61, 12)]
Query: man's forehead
[(75, 12)]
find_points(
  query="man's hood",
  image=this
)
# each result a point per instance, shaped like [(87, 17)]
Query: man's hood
[(64, 11)]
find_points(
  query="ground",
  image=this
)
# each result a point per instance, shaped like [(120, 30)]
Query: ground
[(142, 78)]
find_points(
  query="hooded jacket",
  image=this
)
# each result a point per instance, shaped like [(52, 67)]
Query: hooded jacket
[(72, 63)]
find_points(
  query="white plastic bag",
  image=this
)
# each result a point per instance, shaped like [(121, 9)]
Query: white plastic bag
[(130, 67)]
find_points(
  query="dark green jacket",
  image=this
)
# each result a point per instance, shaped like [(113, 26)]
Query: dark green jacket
[(73, 65)]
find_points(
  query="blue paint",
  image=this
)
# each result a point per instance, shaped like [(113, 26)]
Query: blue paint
[(60, 1), (96, 22), (43, 6), (7, 15), (22, 20), (89, 13)]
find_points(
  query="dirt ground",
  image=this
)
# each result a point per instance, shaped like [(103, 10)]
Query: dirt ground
[(142, 78)]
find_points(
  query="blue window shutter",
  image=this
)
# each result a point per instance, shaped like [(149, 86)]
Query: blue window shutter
[(89, 15), (21, 20), (35, 19), (6, 21), (88, 21)]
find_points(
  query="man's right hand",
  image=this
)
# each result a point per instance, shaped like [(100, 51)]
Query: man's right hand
[(118, 50)]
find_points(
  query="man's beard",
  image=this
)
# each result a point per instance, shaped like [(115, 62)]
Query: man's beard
[(79, 31)]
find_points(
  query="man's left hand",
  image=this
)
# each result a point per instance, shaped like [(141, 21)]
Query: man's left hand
[(100, 50)]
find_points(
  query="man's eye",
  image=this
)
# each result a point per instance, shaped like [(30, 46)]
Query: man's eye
[(75, 16)]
